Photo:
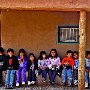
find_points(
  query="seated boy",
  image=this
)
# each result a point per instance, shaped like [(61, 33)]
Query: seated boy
[(67, 64), (11, 64)]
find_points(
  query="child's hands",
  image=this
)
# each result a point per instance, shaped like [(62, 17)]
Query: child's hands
[(40, 67), (53, 66), (4, 72), (66, 63), (19, 61)]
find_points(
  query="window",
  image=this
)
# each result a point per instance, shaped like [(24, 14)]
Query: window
[(68, 34)]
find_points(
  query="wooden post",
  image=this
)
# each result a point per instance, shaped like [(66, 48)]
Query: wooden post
[(82, 48)]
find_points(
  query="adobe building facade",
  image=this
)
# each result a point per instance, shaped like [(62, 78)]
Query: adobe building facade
[(32, 25), (36, 30)]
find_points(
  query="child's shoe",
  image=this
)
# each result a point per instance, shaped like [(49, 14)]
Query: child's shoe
[(75, 82), (52, 83), (33, 82), (23, 83), (6, 86), (0, 85), (43, 80), (29, 83), (11, 87), (86, 85), (17, 84)]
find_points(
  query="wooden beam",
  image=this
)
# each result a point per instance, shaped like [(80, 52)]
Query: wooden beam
[(51, 5), (82, 47)]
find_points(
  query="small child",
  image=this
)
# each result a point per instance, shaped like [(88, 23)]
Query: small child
[(32, 66), (2, 59), (87, 69), (67, 64), (22, 68), (11, 64), (43, 65), (54, 64), (75, 57)]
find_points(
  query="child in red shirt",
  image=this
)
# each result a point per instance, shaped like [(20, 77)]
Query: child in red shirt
[(67, 64)]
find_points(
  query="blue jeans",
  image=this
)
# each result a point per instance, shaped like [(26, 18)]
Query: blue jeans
[(67, 76), (10, 77), (43, 72), (52, 75), (31, 75), (87, 79)]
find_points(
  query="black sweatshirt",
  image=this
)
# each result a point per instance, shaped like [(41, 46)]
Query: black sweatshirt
[(2, 60), (11, 63), (30, 63)]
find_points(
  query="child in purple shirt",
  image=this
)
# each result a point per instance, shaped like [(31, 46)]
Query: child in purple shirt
[(43, 65), (22, 67)]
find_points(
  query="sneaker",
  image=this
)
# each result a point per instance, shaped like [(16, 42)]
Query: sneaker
[(33, 82), (86, 84), (63, 84), (75, 82), (17, 84), (69, 85), (23, 83), (6, 86), (29, 83), (43, 80), (11, 87), (0, 85)]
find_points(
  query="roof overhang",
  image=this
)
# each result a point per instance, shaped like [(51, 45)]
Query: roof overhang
[(52, 5)]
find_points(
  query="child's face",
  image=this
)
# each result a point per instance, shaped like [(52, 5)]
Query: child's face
[(44, 56), (21, 54), (88, 56), (10, 53), (75, 55), (69, 55), (53, 53), (31, 58)]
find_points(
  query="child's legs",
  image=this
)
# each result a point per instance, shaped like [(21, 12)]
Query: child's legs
[(1, 77), (7, 81), (18, 74), (30, 75), (69, 76), (54, 75), (39, 71), (33, 75), (64, 74), (75, 74), (44, 74), (23, 75), (12, 74), (86, 76), (50, 75)]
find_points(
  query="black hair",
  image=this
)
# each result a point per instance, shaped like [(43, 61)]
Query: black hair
[(87, 52), (10, 50), (42, 53), (29, 61), (31, 54), (69, 51), (1, 50), (22, 51), (75, 52), (55, 52)]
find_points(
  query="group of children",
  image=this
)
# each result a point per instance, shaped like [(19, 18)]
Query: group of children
[(16, 67)]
